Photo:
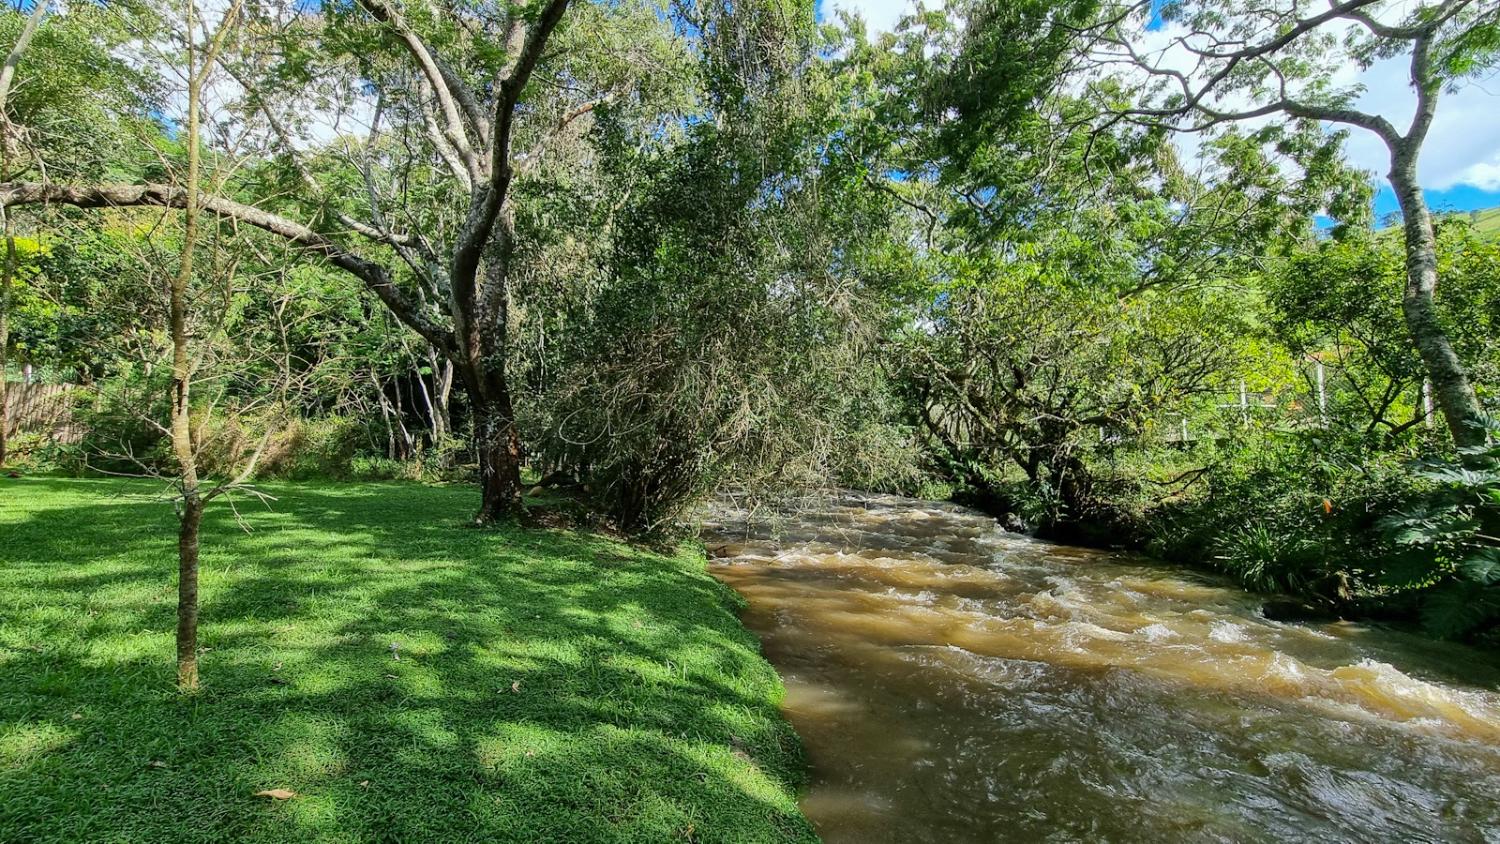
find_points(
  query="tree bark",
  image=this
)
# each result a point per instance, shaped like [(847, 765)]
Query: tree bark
[(1450, 382), (7, 76), (191, 514), (189, 522), (497, 445), (190, 519)]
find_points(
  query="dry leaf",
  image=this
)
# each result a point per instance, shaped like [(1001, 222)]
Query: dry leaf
[(77, 716), (516, 686), (530, 753), (157, 763), (364, 783), (277, 793)]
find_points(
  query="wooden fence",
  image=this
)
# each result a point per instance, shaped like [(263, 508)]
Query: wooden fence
[(40, 408)]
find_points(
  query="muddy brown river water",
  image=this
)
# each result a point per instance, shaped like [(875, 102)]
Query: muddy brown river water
[(955, 683)]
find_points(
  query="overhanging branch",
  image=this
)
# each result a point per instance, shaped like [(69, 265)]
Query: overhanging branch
[(374, 275)]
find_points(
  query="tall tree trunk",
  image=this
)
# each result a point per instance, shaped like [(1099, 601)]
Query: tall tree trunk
[(7, 76), (191, 515), (497, 445), (406, 443), (1450, 382), (434, 426), (436, 398), (189, 522), (445, 396)]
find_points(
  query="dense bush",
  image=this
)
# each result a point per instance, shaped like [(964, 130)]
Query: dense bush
[(118, 437), (1446, 544), (1282, 515), (294, 449), (1355, 533)]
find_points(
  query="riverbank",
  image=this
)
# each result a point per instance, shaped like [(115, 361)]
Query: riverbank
[(406, 677)]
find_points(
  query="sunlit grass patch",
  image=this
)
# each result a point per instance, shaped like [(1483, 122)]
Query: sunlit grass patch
[(408, 677)]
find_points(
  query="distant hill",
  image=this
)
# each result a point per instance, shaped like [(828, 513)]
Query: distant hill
[(1485, 222)]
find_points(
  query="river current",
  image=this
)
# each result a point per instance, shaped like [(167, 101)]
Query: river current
[(953, 682)]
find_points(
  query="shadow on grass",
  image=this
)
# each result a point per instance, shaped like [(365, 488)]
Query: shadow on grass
[(410, 678)]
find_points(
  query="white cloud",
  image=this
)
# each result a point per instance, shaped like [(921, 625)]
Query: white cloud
[(880, 15), (1461, 145), (1484, 175)]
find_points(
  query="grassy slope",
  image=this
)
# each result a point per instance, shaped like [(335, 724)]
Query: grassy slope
[(644, 711), (1487, 222)]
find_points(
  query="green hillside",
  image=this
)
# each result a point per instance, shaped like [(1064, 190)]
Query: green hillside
[(1486, 222)]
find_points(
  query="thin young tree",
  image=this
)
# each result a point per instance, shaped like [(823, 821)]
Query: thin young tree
[(199, 60), (1230, 61)]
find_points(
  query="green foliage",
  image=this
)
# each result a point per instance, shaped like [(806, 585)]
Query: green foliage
[(83, 105), (1266, 557), (1447, 543), (1294, 513), (695, 364), (1017, 366)]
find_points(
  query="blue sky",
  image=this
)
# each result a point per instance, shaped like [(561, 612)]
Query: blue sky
[(1456, 198)]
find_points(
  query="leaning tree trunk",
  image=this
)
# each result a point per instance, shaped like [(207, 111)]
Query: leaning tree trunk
[(1450, 382)]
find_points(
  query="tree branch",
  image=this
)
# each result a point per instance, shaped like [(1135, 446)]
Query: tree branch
[(375, 276), (485, 208), (452, 95)]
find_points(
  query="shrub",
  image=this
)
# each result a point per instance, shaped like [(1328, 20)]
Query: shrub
[(299, 449), (1446, 544), (1290, 513)]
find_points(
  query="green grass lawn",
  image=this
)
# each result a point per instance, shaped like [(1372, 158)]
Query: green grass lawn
[(544, 685)]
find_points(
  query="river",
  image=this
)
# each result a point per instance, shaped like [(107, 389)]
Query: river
[(953, 682)]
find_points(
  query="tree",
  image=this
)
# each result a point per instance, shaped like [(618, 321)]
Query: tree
[(1339, 300), (1250, 60), (199, 64), (472, 128), (1018, 366)]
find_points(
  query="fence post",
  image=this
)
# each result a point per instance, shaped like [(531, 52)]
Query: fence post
[(1322, 398)]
